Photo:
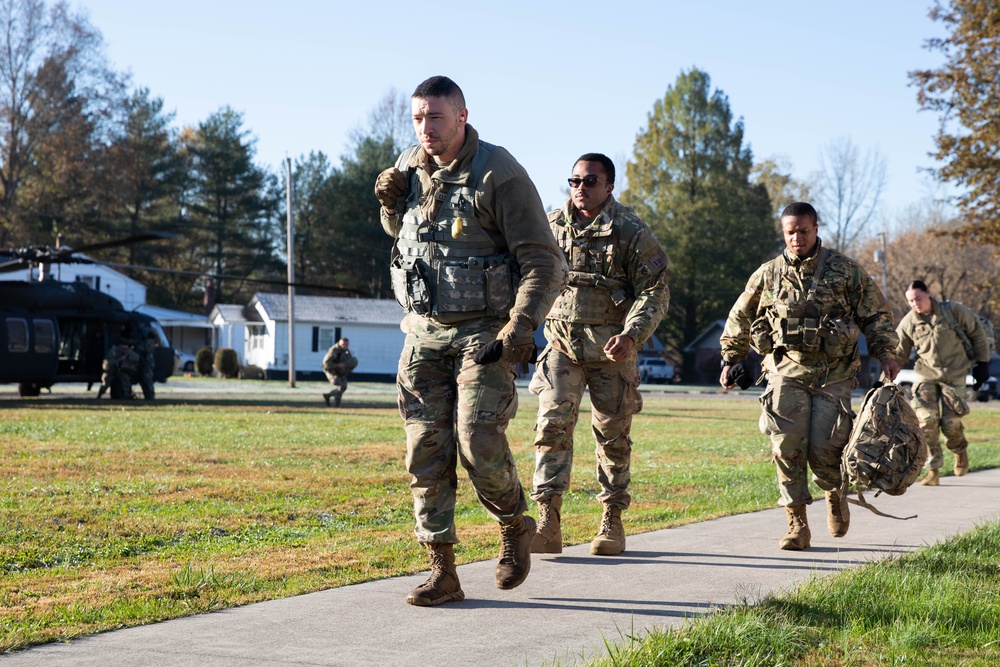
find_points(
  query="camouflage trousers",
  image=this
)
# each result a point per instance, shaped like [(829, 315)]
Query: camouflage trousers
[(940, 406), (456, 410), (146, 379), (559, 383), (339, 383), (807, 427)]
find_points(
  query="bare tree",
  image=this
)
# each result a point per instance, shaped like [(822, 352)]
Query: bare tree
[(930, 251), (389, 119), (848, 190), (37, 43)]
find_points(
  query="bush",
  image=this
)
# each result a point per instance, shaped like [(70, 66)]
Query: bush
[(203, 361), (251, 372), (227, 362)]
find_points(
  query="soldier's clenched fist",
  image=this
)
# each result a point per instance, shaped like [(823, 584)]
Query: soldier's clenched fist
[(389, 186)]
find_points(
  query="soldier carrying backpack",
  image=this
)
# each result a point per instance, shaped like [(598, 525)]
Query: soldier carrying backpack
[(948, 339)]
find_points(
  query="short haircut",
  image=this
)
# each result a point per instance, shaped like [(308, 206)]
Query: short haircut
[(609, 166), (441, 86), (917, 284), (796, 209)]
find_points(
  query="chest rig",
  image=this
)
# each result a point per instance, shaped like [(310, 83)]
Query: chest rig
[(796, 317), (450, 269), (597, 292)]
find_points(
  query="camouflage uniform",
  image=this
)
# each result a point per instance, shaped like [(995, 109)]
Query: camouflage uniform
[(145, 348), (118, 366), (942, 364), (807, 328), (337, 365), (458, 282), (617, 284)]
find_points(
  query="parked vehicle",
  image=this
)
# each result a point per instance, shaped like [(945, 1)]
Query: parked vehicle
[(908, 377), (183, 363), (656, 370)]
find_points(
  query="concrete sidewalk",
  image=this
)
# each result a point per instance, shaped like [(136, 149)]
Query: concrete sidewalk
[(567, 607)]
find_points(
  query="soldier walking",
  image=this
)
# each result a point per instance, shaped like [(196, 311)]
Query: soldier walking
[(616, 296), (944, 336), (337, 365), (476, 269), (804, 311), (146, 350)]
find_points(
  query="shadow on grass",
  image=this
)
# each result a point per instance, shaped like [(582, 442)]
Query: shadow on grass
[(89, 403)]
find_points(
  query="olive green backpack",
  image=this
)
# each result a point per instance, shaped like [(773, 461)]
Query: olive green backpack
[(886, 450)]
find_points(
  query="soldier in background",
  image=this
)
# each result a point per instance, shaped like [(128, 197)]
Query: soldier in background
[(476, 269), (616, 296), (942, 364), (118, 366), (804, 311), (145, 347), (337, 365)]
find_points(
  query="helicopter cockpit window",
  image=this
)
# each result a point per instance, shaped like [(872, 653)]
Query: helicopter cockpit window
[(45, 336), (17, 334)]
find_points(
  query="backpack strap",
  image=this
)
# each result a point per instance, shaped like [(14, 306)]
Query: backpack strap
[(861, 502), (949, 317)]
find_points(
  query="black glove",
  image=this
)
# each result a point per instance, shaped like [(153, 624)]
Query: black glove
[(492, 351), (980, 373), (739, 375)]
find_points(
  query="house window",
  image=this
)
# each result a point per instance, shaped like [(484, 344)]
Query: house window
[(257, 335), (17, 334), (45, 336), (326, 337), (94, 282)]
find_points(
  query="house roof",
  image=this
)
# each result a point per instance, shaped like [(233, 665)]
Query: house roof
[(330, 309), (708, 338), (174, 318), (231, 313)]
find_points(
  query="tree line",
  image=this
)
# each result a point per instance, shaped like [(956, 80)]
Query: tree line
[(86, 155)]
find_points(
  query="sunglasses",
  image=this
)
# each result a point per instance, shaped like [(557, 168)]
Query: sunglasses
[(589, 181)]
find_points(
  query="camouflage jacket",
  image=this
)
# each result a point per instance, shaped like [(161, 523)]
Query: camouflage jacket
[(506, 204), (940, 352), (618, 281), (336, 360), (845, 304)]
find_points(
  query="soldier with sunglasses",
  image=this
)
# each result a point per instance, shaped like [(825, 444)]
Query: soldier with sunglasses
[(616, 296)]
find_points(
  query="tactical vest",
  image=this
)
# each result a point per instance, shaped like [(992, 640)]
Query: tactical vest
[(796, 321), (597, 292), (450, 269)]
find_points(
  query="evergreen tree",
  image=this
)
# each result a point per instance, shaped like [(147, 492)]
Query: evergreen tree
[(690, 180), (231, 207)]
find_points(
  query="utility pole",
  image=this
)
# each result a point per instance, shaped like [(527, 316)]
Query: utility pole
[(881, 255), (291, 274)]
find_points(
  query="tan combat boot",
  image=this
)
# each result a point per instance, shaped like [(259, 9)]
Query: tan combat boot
[(515, 552), (442, 586), (931, 479), (961, 464), (548, 536), (610, 540), (798, 535), (838, 516)]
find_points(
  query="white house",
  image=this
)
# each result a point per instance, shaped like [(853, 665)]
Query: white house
[(371, 325), (131, 293), (229, 328)]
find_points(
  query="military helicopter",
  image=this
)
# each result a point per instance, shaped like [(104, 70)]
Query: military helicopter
[(52, 331)]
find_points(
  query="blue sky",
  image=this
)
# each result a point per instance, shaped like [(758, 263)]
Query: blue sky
[(548, 81)]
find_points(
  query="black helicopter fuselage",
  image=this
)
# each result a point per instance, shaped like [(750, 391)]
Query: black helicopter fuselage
[(54, 332)]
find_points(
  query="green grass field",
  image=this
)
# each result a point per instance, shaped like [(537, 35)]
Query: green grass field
[(121, 514)]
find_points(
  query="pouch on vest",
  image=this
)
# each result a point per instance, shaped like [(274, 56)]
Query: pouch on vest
[(840, 337), (500, 289), (886, 449), (410, 285)]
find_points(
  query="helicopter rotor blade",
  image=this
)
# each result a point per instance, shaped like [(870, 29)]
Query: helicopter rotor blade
[(129, 240)]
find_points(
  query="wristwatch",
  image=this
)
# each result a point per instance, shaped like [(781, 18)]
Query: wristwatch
[(725, 363)]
